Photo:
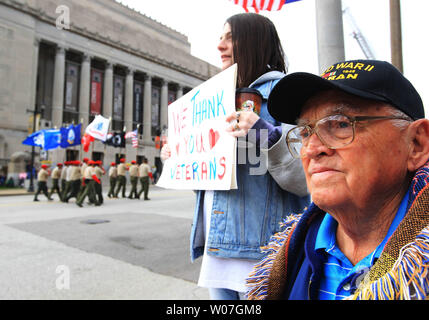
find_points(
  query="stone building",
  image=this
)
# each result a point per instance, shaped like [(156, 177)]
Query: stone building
[(67, 61)]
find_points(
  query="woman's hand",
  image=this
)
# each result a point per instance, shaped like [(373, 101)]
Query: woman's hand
[(242, 121), (165, 152)]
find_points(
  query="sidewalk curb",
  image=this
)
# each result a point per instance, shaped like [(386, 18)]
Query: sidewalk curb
[(19, 192), (24, 192)]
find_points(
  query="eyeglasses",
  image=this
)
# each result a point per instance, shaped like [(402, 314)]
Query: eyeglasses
[(335, 131)]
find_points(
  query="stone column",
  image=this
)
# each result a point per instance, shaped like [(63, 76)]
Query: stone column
[(108, 91), (85, 87), (179, 92), (129, 99), (34, 72), (164, 104), (147, 110), (58, 89), (330, 38)]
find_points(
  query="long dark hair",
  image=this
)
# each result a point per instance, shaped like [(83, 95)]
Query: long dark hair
[(256, 47)]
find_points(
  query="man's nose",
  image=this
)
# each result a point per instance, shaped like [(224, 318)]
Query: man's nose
[(315, 147)]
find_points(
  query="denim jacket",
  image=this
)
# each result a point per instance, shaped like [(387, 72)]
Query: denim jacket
[(244, 219)]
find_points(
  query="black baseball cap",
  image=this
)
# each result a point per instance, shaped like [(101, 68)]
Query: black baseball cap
[(370, 79)]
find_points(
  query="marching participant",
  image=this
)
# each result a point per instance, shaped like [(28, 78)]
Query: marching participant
[(42, 179), (88, 185), (75, 181), (144, 173), (134, 174), (97, 176), (122, 180), (113, 176), (56, 175)]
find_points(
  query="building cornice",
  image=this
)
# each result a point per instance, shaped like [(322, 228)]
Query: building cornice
[(42, 16)]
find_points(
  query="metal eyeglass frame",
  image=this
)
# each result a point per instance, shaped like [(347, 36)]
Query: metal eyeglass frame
[(352, 120)]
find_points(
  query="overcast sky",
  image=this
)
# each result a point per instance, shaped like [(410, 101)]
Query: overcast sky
[(202, 22)]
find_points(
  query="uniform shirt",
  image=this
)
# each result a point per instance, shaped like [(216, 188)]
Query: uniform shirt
[(98, 172), (144, 170), (75, 174), (113, 172), (89, 171), (134, 171), (340, 275), (43, 175), (56, 174), (69, 173), (122, 169), (64, 173), (83, 168)]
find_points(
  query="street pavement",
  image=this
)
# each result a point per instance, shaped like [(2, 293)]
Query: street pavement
[(124, 249)]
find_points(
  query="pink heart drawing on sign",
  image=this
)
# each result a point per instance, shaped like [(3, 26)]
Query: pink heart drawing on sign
[(213, 138)]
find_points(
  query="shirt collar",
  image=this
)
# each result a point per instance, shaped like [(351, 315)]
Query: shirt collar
[(326, 236)]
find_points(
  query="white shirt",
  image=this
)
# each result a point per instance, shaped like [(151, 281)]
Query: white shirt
[(221, 272), (69, 173)]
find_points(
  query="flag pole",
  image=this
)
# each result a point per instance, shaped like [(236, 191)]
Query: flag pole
[(65, 153), (124, 129), (74, 148), (81, 146), (396, 34), (105, 144), (137, 136)]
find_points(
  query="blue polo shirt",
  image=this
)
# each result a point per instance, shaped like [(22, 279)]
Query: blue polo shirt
[(340, 275)]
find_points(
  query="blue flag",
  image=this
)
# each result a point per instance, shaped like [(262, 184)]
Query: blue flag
[(36, 139), (70, 136), (45, 139), (52, 139)]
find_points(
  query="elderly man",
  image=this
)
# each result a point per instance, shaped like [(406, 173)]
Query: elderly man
[(364, 145)]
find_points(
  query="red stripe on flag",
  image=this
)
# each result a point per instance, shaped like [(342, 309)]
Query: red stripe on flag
[(245, 5), (255, 6)]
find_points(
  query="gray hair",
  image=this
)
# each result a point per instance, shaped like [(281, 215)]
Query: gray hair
[(399, 123)]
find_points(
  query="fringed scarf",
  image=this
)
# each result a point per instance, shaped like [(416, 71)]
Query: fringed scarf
[(274, 262), (401, 272)]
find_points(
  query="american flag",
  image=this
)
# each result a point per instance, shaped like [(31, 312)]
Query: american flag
[(134, 136), (267, 5)]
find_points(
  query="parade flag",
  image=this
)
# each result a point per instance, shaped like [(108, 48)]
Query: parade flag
[(262, 5), (35, 139), (86, 141), (52, 139), (116, 139), (70, 136), (98, 128), (45, 139), (134, 138)]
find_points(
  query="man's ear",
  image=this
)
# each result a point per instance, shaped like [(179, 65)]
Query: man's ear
[(419, 150)]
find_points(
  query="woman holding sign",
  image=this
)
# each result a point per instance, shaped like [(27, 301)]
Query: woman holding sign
[(230, 227)]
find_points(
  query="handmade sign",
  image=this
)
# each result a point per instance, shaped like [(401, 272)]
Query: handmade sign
[(202, 152)]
